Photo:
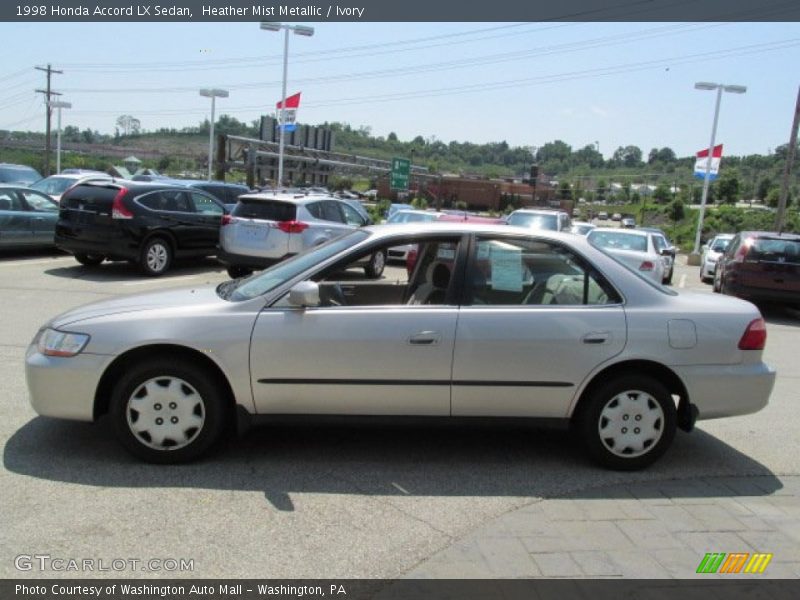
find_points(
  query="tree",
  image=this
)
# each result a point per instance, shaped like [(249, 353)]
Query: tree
[(128, 124), (392, 137), (555, 151), (728, 186), (676, 210), (602, 190), (664, 155), (764, 186), (564, 191), (662, 193), (629, 156)]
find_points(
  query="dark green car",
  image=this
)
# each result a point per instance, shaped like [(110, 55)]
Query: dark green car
[(27, 218)]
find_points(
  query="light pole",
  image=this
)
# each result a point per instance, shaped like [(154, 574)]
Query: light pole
[(212, 93), (694, 257), (59, 104), (298, 30)]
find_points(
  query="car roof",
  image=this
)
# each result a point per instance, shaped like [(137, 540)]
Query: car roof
[(542, 211), (774, 234), (288, 198), (639, 232)]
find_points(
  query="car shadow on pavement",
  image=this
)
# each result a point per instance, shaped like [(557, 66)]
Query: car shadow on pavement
[(421, 461), (123, 271), (778, 314)]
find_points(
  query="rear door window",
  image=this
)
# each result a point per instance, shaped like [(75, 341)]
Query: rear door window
[(205, 205), (332, 212), (267, 210)]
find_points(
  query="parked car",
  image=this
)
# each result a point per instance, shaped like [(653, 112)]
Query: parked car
[(632, 247), (227, 193), (761, 266), (628, 222), (571, 335), (55, 185), (666, 249), (18, 174), (27, 217), (396, 207), (581, 228), (602, 215), (147, 223), (540, 219), (616, 217), (712, 251), (401, 253), (265, 228)]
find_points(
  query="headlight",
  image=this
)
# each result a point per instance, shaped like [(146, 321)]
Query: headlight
[(61, 343)]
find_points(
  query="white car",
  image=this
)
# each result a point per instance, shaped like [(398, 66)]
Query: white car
[(55, 185), (540, 219), (581, 228), (635, 248), (400, 253), (715, 248), (492, 321)]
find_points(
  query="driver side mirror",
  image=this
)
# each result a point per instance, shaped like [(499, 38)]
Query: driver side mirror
[(304, 294)]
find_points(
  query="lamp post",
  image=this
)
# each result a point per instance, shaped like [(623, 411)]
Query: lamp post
[(694, 257), (298, 30), (212, 93), (59, 104)]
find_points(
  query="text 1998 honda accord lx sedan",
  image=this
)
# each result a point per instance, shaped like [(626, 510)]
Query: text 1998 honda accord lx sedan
[(490, 321)]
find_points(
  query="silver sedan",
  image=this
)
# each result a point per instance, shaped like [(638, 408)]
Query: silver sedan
[(489, 321)]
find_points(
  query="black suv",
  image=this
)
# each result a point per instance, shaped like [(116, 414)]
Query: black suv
[(227, 193), (146, 223)]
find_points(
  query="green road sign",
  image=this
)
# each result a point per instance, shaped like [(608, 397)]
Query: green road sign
[(398, 178)]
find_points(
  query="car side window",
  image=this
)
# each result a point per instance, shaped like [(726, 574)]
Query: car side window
[(331, 211), (515, 272), (205, 205), (315, 209), (351, 215), (9, 201), (38, 202)]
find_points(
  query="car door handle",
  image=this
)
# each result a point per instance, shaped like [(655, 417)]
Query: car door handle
[(425, 338), (596, 337)]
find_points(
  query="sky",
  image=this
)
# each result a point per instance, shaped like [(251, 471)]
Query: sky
[(609, 84)]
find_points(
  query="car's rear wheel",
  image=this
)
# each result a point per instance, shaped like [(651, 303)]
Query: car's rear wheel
[(376, 265), (234, 271), (89, 260), (167, 411), (156, 257), (628, 423)]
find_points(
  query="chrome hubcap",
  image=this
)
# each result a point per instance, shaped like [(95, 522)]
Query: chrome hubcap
[(378, 262), (631, 423), (165, 413), (156, 257)]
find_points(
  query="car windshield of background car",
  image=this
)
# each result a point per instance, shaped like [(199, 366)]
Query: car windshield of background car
[(720, 245), (266, 281)]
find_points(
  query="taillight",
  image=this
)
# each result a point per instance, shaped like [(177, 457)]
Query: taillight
[(647, 266), (741, 253), (118, 209), (755, 336), (226, 220), (292, 226)]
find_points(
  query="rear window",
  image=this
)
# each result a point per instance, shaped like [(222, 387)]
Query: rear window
[(775, 250), (534, 221), (267, 210), (19, 174), (618, 241), (90, 197)]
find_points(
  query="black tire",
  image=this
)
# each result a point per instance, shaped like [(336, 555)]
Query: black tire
[(156, 256), (89, 260), (647, 402), (235, 271), (203, 400), (376, 265), (668, 279)]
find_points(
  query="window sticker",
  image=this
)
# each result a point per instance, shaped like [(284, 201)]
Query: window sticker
[(506, 269)]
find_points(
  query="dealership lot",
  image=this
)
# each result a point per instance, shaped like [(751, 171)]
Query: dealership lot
[(346, 502)]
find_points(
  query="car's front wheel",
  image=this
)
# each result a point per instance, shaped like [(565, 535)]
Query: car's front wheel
[(156, 257), (628, 423), (376, 265), (235, 271), (89, 260), (167, 411)]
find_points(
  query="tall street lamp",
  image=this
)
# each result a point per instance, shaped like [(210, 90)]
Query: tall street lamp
[(59, 104), (212, 93), (298, 30), (694, 258)]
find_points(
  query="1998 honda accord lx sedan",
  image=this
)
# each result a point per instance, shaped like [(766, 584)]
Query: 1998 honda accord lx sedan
[(490, 321)]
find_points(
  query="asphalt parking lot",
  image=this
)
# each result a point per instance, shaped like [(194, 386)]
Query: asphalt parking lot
[(338, 502)]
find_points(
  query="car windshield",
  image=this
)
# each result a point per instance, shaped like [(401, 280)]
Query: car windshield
[(720, 245), (53, 185), (534, 221), (614, 240), (266, 281)]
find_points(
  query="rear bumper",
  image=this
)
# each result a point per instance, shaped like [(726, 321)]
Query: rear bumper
[(727, 390), (756, 294), (122, 249)]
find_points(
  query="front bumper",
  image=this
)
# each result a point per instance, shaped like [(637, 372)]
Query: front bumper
[(727, 390), (64, 387)]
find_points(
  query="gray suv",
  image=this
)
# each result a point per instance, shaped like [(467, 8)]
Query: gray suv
[(266, 228)]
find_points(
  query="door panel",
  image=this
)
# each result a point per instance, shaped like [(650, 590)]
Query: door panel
[(354, 361)]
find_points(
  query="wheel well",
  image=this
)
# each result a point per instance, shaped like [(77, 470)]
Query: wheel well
[(161, 233), (657, 371), (170, 352)]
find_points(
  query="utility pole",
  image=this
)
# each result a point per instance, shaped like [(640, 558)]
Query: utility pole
[(48, 92), (787, 168)]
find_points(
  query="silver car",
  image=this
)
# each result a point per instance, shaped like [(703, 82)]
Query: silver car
[(491, 321), (637, 249), (266, 228)]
